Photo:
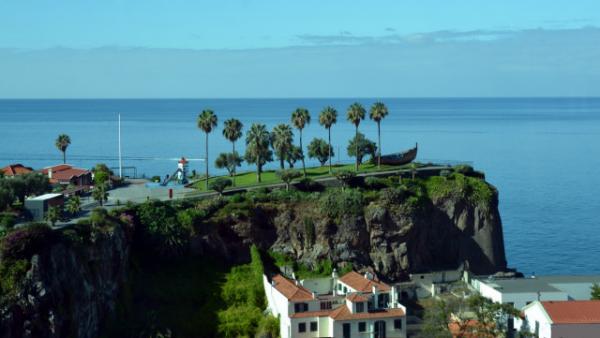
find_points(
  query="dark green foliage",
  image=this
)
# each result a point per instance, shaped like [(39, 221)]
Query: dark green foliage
[(319, 149), (372, 182), (345, 177), (595, 292), (101, 174), (53, 215), (468, 170), (12, 273), (394, 195), (268, 327), (23, 242), (16, 188), (162, 232), (307, 185), (336, 204), (229, 161), (7, 220), (287, 176), (363, 145), (474, 190), (219, 184)]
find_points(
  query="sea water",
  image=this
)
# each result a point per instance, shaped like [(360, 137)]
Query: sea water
[(543, 154)]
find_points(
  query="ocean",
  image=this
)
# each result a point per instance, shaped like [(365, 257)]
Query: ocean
[(543, 154)]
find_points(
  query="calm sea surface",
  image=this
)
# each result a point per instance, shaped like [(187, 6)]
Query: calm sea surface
[(542, 154)]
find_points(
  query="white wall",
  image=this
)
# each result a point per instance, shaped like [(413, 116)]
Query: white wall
[(535, 312), (278, 306), (389, 328), (319, 285)]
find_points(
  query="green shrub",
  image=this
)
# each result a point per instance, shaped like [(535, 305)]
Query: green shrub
[(219, 184), (268, 327), (396, 195), (337, 204), (7, 220), (239, 321), (12, 273), (26, 241), (307, 184), (372, 182), (161, 230)]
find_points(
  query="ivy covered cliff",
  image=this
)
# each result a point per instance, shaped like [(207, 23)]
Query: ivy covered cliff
[(163, 267)]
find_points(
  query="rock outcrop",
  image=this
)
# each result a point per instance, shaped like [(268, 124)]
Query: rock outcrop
[(69, 290)]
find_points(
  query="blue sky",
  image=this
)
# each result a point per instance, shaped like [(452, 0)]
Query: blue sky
[(72, 42)]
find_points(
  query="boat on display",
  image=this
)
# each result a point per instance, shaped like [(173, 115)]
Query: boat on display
[(400, 158)]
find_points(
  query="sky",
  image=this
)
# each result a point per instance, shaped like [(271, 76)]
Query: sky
[(243, 48)]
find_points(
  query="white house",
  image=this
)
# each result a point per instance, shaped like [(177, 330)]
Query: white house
[(563, 319), (523, 291), (353, 305)]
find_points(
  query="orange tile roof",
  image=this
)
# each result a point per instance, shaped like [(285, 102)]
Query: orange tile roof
[(357, 297), (573, 311), (358, 282), (16, 169), (307, 314), (290, 290), (343, 313), (64, 172), (468, 329)]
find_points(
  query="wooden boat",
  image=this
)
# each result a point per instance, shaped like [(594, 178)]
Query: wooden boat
[(400, 158)]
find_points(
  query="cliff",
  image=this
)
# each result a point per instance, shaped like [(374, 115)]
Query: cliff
[(69, 283), (70, 288)]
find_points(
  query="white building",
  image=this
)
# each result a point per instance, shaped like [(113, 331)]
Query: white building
[(563, 319), (522, 291), (353, 305)]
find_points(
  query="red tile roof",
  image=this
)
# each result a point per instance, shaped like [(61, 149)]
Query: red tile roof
[(64, 172), (343, 313), (16, 169), (573, 311), (290, 290), (468, 329), (359, 283), (357, 297)]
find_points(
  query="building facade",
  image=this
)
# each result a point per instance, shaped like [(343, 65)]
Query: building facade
[(353, 305), (562, 319)]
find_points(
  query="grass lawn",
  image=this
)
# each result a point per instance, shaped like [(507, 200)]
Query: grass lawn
[(246, 179)]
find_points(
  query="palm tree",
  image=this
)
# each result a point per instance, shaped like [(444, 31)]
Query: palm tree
[(62, 143), (257, 147), (300, 118), (100, 193), (378, 112), (328, 118), (355, 114), (282, 138), (207, 120), (233, 131), (73, 205)]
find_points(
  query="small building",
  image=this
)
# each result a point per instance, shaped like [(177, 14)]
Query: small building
[(522, 291), (17, 169), (38, 206), (353, 305), (563, 319), (65, 174)]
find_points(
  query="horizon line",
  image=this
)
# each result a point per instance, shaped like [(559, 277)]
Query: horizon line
[(303, 98)]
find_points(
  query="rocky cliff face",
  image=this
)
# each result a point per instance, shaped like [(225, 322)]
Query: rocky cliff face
[(395, 239), (68, 290)]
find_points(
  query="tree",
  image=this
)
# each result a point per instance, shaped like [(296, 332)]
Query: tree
[(73, 205), (101, 173), (293, 155), (378, 112), (318, 148), (355, 114), (257, 148), (345, 177), (207, 121), (328, 118), (287, 176), (300, 118), (98, 216), (100, 193), (492, 318), (595, 294), (53, 215), (62, 143), (233, 131), (360, 146), (229, 161), (282, 138), (220, 184)]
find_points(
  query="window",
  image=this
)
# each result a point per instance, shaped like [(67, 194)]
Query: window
[(326, 305), (313, 326), (398, 324), (301, 327), (383, 300), (300, 307), (347, 330), (360, 307), (345, 290), (362, 326), (339, 287)]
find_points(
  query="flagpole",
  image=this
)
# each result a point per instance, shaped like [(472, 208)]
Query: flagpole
[(120, 158)]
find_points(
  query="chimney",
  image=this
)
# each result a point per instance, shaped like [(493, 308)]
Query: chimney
[(50, 173)]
